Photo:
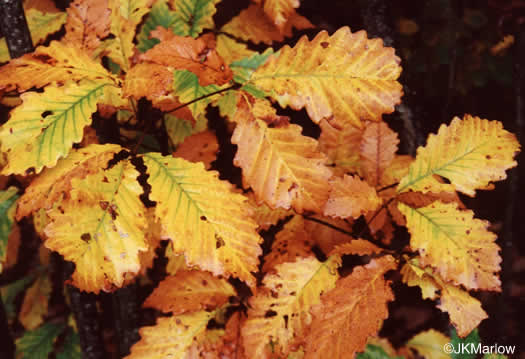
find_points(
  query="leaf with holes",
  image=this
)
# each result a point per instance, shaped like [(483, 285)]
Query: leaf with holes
[(203, 217), (46, 125), (105, 242)]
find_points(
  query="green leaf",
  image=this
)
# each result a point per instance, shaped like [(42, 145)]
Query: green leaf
[(243, 69), (375, 352), (186, 87), (7, 208), (46, 125), (10, 292), (71, 347), (160, 15), (38, 343), (178, 129), (193, 16), (471, 340)]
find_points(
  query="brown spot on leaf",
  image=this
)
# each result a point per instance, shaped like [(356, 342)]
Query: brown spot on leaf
[(325, 44), (86, 237)]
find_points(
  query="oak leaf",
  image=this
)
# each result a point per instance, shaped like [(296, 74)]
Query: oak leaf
[(342, 146), (203, 217), (345, 77), (88, 21), (42, 130), (377, 150), (465, 311), (8, 200), (193, 16), (54, 63), (170, 337), (185, 53), (284, 168), (470, 153), (201, 147), (105, 244), (457, 245), (351, 312), (35, 303), (290, 243), (350, 197), (279, 312), (279, 10), (189, 291), (252, 24), (49, 187), (430, 344)]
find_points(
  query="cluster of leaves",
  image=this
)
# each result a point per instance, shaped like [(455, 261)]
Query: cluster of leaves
[(107, 207)]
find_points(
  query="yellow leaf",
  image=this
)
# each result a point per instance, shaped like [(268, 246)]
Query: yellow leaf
[(54, 63), (470, 153), (105, 242), (189, 291), (345, 76), (88, 22), (46, 125), (457, 245), (34, 306), (377, 150), (171, 337), (231, 50), (465, 311), (176, 262), (351, 312), (48, 188), (43, 24), (4, 51), (280, 311), (253, 24), (350, 197), (291, 243), (203, 217), (342, 146), (264, 215), (284, 168), (430, 344)]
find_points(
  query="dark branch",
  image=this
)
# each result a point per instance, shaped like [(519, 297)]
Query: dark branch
[(14, 27)]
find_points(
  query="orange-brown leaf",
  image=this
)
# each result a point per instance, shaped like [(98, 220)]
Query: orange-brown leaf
[(152, 81), (351, 312), (87, 23), (360, 247), (186, 53), (290, 243), (201, 147), (325, 237), (377, 150), (190, 291), (284, 168), (253, 24), (342, 145), (350, 197)]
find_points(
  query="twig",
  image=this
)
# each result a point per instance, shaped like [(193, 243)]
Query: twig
[(320, 221), (125, 309), (15, 29)]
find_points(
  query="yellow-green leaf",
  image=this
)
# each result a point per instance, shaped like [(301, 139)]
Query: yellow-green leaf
[(457, 245), (7, 207), (203, 217), (193, 16), (344, 77), (178, 129), (470, 153), (105, 240), (430, 344), (46, 125), (43, 24)]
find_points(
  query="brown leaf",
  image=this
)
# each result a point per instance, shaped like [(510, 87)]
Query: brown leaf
[(201, 147)]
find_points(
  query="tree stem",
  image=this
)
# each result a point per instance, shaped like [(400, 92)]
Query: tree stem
[(14, 25)]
